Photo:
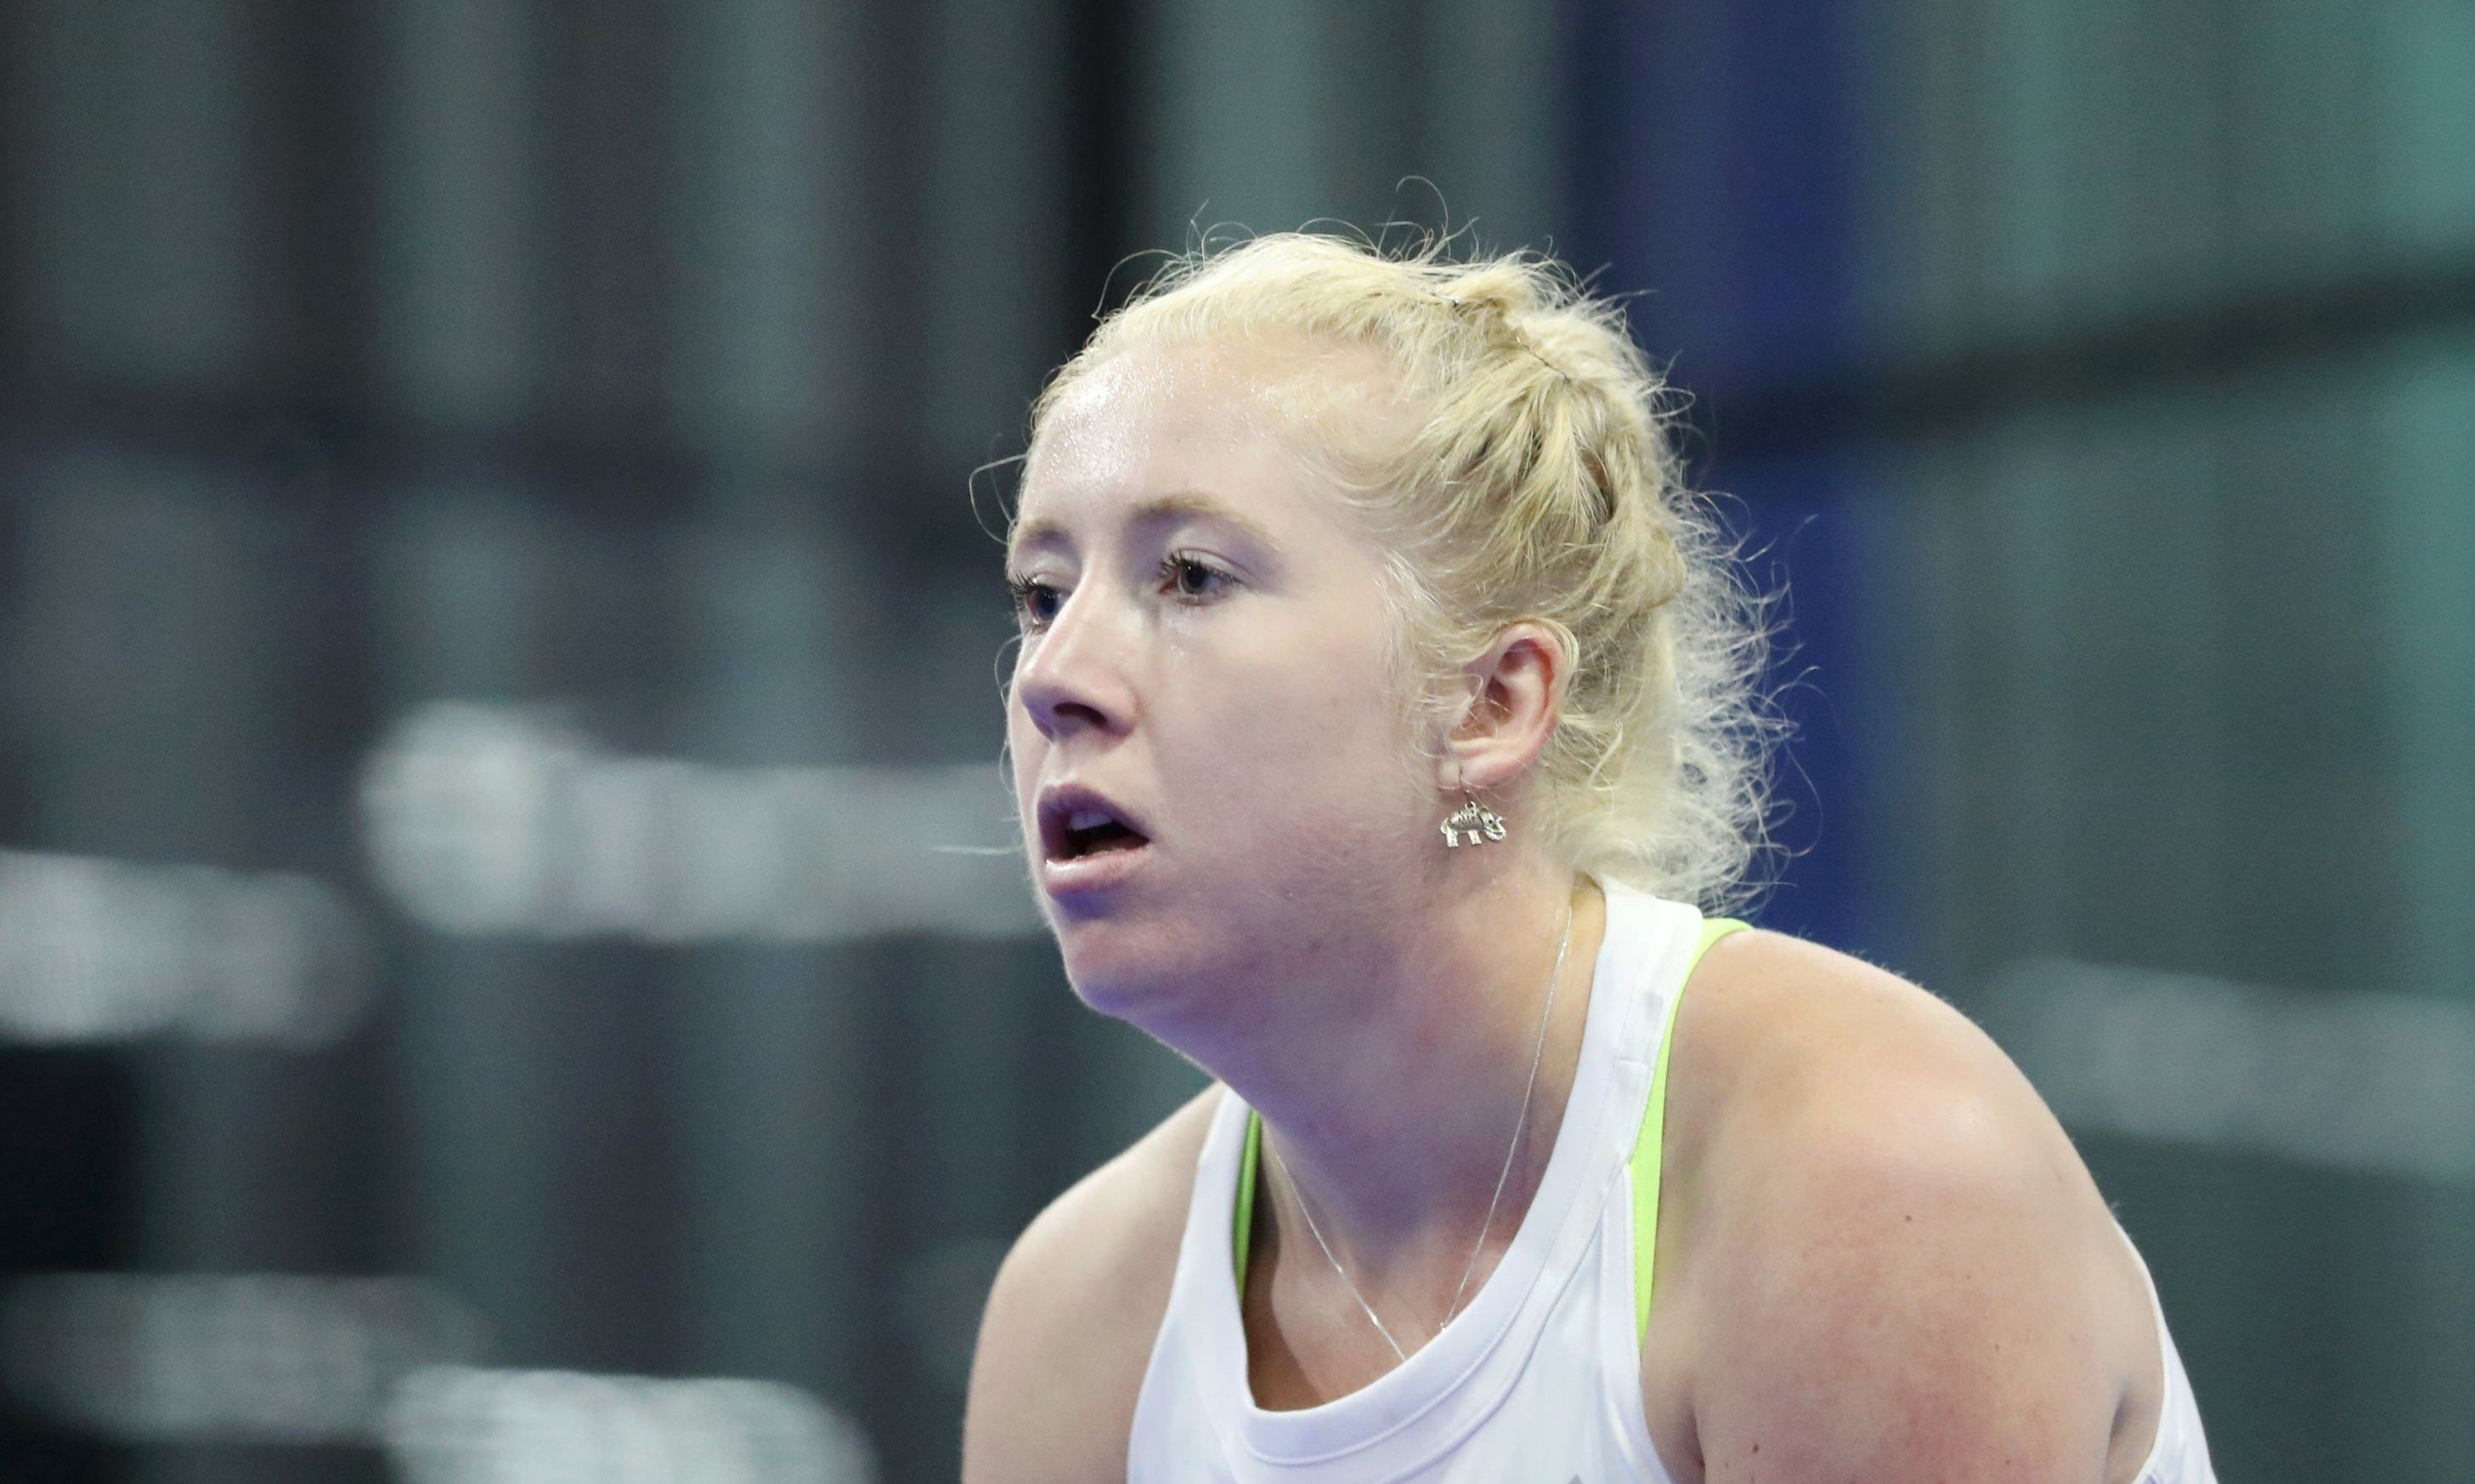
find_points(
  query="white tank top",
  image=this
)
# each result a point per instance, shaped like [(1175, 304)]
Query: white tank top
[(1539, 1381)]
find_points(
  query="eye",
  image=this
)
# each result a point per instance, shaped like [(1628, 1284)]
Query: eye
[(1193, 579), (1036, 603)]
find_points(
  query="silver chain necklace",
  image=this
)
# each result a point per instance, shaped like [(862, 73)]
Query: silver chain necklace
[(1537, 1054)]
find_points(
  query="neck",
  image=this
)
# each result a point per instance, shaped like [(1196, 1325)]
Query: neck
[(1392, 1076)]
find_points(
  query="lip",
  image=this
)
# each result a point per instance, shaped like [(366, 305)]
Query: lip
[(1084, 875), (1063, 875)]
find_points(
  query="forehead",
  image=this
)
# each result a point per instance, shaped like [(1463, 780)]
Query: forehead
[(1235, 427)]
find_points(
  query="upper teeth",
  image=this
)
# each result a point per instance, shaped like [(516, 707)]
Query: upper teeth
[(1087, 819)]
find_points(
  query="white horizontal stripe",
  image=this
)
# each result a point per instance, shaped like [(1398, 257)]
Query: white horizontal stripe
[(455, 1425), (99, 950), (239, 1357), (2381, 1083), (494, 820)]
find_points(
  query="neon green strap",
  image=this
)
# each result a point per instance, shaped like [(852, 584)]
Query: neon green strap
[(1654, 1126), (1247, 1164)]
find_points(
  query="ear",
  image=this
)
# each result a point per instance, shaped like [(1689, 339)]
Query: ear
[(1516, 690)]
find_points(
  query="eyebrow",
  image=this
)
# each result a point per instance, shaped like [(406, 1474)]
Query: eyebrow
[(1157, 510)]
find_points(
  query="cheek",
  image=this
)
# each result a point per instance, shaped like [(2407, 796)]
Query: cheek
[(1026, 749), (1319, 745), (1345, 702)]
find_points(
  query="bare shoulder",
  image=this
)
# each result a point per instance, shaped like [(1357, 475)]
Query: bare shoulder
[(1886, 1256), (1069, 1323)]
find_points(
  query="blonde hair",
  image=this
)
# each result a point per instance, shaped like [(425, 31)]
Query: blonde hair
[(1539, 481)]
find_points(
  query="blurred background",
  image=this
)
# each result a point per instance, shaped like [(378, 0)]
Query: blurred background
[(501, 974)]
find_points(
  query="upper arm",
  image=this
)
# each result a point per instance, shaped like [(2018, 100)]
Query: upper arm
[(1069, 1323), (1904, 1270), (1915, 1314), (1028, 1419)]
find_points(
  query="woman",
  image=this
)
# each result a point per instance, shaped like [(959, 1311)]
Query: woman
[(1383, 703)]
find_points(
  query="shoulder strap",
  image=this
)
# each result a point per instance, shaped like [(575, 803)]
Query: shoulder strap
[(1247, 1164), (1654, 1125), (1645, 1149)]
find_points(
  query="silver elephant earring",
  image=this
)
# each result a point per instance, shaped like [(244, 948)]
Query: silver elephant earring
[(1472, 824)]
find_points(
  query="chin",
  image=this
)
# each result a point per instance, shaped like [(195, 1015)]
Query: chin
[(1148, 973)]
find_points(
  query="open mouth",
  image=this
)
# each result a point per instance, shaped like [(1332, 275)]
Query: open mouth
[(1092, 832), (1077, 825)]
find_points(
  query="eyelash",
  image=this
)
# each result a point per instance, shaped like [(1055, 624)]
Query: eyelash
[(1028, 590)]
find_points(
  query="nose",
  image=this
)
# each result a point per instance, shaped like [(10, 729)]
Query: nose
[(1070, 677)]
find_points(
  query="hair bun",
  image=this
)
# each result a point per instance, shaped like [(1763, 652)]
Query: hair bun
[(1492, 292)]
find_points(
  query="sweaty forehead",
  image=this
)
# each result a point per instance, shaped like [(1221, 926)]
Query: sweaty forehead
[(1175, 414), (1233, 422), (1134, 411)]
